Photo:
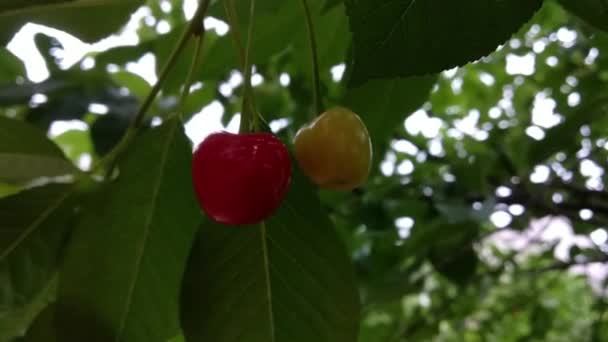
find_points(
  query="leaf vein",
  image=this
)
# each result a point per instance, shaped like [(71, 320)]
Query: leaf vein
[(34, 225), (146, 232), (401, 20), (268, 284)]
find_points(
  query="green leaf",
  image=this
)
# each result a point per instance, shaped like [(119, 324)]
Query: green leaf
[(43, 327), (456, 211), (164, 45), (457, 263), (75, 143), (425, 238), (384, 104), (21, 4), (8, 189), (564, 136), (332, 34), (107, 131), (33, 229), (89, 20), (409, 37), (10, 66), (26, 153), (264, 7), (219, 54), (121, 277), (288, 279), (136, 84), (12, 94), (199, 99), (593, 11), (329, 4)]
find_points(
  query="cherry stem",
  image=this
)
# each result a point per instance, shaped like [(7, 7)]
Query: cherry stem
[(193, 28), (233, 21), (196, 61), (249, 119), (317, 99), (234, 27)]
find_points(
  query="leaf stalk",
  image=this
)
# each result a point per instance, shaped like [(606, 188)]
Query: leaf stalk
[(317, 98), (194, 28)]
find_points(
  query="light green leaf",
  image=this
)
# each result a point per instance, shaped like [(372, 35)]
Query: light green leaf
[(43, 327), (10, 67), (33, 229), (220, 56), (409, 37), (121, 277), (384, 104), (288, 279), (8, 189), (136, 84), (178, 338), (329, 4), (200, 98), (75, 143), (26, 153), (89, 20), (332, 34)]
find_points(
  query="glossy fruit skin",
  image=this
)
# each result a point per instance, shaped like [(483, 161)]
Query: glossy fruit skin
[(241, 179), (335, 150)]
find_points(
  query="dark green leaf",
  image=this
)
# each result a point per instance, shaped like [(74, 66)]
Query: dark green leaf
[(26, 154), (71, 106), (424, 238), (594, 11), (120, 280), (89, 20), (458, 264), (409, 37), (107, 131), (288, 279), (21, 4), (11, 94), (45, 45), (33, 229)]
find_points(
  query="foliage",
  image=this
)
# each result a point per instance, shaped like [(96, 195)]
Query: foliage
[(478, 111)]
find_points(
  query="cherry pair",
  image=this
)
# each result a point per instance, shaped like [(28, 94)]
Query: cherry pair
[(243, 178)]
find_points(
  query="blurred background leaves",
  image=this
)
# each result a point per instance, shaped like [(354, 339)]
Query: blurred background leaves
[(486, 215)]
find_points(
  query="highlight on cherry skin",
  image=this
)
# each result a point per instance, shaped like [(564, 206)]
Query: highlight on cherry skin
[(335, 150), (241, 179)]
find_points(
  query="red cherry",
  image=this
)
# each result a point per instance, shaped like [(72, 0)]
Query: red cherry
[(241, 178)]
